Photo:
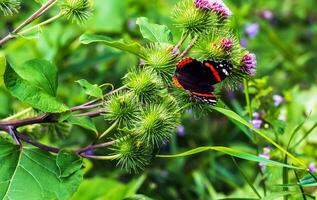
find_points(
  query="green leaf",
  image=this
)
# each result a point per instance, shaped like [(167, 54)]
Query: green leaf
[(308, 181), (28, 174), (231, 152), (111, 189), (41, 73), (62, 161), (131, 47), (2, 67), (138, 197), (235, 116), (84, 122), (154, 32), (28, 93), (90, 89)]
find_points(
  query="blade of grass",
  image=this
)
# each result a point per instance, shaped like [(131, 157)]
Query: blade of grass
[(246, 178), (300, 187), (231, 152), (233, 115)]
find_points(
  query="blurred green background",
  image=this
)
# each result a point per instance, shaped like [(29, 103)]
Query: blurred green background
[(284, 38)]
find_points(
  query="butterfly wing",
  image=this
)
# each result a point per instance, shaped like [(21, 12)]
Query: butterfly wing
[(192, 76)]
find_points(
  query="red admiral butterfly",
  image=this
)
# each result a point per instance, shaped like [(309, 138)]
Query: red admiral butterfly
[(198, 78)]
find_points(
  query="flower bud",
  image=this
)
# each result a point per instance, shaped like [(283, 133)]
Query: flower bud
[(9, 7), (155, 125), (144, 84), (249, 64), (191, 19), (161, 60), (121, 107), (131, 154), (77, 10)]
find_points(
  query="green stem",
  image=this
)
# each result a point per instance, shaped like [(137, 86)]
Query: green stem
[(246, 178), (59, 15), (181, 41), (102, 157), (247, 97), (21, 113), (109, 129)]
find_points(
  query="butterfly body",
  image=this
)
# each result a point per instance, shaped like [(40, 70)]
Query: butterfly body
[(199, 78)]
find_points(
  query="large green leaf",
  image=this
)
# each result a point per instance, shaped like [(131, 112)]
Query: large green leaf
[(154, 32), (2, 67), (28, 174), (131, 47), (29, 93), (231, 152), (41, 73), (84, 122), (112, 189), (90, 89)]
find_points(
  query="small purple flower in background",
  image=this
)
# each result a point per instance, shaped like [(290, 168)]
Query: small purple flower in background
[(132, 24), (256, 115), (89, 153), (265, 154), (227, 44), (217, 6), (244, 42), (256, 121), (175, 51), (249, 64), (251, 30), (267, 14), (278, 100), (181, 130), (282, 117), (312, 167)]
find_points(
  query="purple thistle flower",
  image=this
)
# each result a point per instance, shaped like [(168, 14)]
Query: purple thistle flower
[(227, 44), (181, 130), (249, 64), (278, 100), (312, 167), (244, 42), (251, 30), (217, 6), (267, 14)]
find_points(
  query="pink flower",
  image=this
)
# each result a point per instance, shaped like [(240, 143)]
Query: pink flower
[(249, 64), (227, 44), (217, 6)]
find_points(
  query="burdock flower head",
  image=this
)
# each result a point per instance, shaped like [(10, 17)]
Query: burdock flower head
[(217, 6), (227, 44), (249, 64)]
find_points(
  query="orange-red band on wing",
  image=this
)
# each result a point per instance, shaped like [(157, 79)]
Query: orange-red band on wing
[(184, 62), (214, 71), (203, 95), (176, 82)]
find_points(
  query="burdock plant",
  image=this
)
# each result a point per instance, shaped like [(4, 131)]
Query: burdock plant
[(144, 113)]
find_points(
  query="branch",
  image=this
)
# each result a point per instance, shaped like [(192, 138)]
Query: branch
[(54, 149), (33, 17)]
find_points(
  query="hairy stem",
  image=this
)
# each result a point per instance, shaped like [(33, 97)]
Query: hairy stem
[(189, 47), (109, 129), (42, 23), (33, 17)]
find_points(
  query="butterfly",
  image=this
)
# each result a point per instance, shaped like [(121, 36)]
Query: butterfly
[(199, 78)]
